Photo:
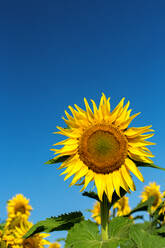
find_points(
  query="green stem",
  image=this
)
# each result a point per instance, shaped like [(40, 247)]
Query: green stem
[(104, 217)]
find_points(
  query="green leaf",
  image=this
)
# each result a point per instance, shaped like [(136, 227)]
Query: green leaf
[(60, 223), (146, 226), (91, 194), (86, 234), (143, 206), (161, 231), (143, 239), (128, 244), (152, 165), (141, 217), (57, 160), (119, 227)]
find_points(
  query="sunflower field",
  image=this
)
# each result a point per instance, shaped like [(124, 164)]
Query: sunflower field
[(100, 150)]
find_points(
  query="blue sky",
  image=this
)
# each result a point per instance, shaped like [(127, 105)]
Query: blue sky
[(55, 53)]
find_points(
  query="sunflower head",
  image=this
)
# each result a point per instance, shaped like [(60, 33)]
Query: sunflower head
[(36, 241), (18, 206), (122, 206), (96, 212), (100, 147), (152, 190), (54, 245)]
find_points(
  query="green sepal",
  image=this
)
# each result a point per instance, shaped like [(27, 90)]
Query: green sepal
[(115, 197), (143, 164), (60, 223), (57, 160), (91, 194), (143, 206)]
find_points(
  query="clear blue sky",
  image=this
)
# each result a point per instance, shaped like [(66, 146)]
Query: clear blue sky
[(52, 54)]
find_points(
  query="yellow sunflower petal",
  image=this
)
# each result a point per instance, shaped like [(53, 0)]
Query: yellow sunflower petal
[(100, 184), (132, 167), (116, 181), (81, 173), (117, 110), (125, 124), (133, 132), (109, 186), (128, 178), (88, 178), (122, 116), (88, 109)]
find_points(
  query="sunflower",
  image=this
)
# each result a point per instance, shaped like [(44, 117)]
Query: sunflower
[(152, 190), (18, 206), (101, 148), (54, 245), (96, 212), (122, 206), (36, 241), (9, 228)]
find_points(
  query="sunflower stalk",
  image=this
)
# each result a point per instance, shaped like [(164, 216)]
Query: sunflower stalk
[(105, 206)]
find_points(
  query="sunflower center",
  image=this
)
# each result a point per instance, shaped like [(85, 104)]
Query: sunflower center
[(28, 243), (103, 148), (20, 208), (156, 199)]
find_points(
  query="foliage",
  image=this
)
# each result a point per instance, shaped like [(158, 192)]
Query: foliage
[(123, 232), (62, 222)]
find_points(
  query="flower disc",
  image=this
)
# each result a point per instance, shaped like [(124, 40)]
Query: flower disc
[(103, 148)]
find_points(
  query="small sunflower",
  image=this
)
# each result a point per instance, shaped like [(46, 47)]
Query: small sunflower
[(96, 212), (122, 206), (152, 190), (18, 206), (101, 148), (36, 241), (54, 245), (9, 229)]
